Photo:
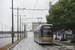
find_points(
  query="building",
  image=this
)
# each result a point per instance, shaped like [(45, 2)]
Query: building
[(50, 3), (35, 24)]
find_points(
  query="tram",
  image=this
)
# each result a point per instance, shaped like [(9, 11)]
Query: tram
[(43, 34)]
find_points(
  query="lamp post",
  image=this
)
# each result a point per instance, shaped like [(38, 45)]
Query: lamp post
[(23, 25), (24, 28), (20, 25), (17, 23), (12, 24), (63, 33)]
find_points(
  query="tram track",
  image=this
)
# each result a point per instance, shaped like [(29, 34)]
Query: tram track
[(49, 47)]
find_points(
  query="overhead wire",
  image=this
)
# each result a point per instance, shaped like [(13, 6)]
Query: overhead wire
[(34, 8), (45, 8), (30, 4), (22, 4), (33, 5), (19, 3)]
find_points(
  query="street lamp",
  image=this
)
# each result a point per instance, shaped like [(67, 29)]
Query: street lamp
[(23, 24), (17, 25), (20, 24)]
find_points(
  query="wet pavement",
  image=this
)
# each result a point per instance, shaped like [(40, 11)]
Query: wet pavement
[(29, 44)]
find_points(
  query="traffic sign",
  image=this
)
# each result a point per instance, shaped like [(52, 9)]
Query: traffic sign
[(61, 32)]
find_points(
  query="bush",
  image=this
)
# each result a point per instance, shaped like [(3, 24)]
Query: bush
[(73, 39), (57, 39), (63, 40)]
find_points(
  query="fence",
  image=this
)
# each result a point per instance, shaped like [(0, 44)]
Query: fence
[(4, 29)]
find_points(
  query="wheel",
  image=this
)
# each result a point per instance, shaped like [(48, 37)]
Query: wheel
[(34, 41), (39, 43), (52, 44)]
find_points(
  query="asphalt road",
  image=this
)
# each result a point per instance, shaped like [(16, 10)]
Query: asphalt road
[(6, 41), (29, 44)]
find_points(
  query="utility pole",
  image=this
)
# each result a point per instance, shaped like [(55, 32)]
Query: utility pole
[(12, 24), (18, 20), (17, 23), (24, 29), (23, 25), (63, 33), (20, 26)]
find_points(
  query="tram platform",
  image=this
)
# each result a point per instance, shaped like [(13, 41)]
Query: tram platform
[(64, 43)]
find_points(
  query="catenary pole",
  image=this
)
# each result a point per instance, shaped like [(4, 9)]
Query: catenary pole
[(20, 26), (12, 24), (17, 23)]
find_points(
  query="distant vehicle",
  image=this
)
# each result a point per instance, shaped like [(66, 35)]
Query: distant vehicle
[(30, 30), (43, 34), (27, 29)]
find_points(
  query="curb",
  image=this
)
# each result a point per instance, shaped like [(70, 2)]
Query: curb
[(57, 44), (14, 45)]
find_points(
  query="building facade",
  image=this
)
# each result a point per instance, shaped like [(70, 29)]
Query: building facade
[(35, 24)]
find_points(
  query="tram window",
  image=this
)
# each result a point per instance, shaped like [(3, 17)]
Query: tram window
[(46, 30), (47, 34)]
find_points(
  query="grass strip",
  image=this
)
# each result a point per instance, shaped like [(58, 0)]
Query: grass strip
[(9, 45)]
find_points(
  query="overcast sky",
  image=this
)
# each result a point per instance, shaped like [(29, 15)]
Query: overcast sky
[(5, 11)]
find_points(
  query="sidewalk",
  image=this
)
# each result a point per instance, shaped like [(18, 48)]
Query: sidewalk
[(64, 43)]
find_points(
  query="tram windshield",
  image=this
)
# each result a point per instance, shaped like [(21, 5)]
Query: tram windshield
[(47, 32)]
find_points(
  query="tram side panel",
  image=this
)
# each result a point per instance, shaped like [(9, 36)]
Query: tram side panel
[(36, 35)]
